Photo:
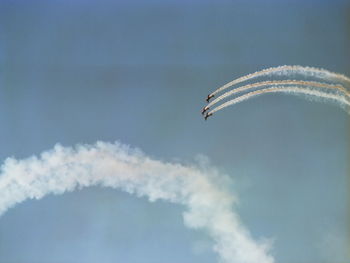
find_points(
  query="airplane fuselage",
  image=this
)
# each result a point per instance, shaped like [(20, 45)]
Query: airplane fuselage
[(209, 97)]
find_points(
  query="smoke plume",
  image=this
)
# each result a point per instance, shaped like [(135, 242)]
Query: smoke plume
[(209, 205), (316, 73), (311, 94)]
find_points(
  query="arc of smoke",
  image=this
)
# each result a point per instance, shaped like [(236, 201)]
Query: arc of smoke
[(287, 70), (200, 189), (341, 100), (310, 84)]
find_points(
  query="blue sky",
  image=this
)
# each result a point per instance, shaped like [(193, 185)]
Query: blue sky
[(138, 72)]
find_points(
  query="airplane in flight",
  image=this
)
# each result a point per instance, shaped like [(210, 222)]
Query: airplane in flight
[(207, 115), (209, 97), (205, 109)]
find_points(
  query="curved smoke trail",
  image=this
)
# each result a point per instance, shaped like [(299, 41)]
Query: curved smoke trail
[(289, 70), (202, 191), (315, 94), (308, 84)]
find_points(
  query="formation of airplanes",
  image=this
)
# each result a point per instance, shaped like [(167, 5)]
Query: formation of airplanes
[(206, 108)]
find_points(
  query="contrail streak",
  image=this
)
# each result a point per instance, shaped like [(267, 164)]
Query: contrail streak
[(311, 84), (204, 193), (289, 70), (290, 90)]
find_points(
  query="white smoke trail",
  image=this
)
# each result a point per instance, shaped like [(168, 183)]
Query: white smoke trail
[(289, 70), (309, 84), (201, 190), (316, 94)]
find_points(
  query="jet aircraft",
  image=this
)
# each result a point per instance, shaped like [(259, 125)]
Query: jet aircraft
[(209, 97), (205, 109), (207, 115)]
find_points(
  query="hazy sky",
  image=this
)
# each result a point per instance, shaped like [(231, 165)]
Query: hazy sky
[(138, 72)]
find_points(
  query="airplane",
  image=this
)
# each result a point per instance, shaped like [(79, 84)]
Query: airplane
[(209, 97), (205, 109), (207, 115)]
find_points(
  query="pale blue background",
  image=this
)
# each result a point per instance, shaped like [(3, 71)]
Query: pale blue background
[(138, 71)]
